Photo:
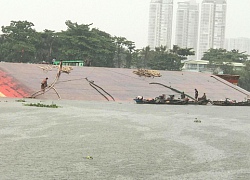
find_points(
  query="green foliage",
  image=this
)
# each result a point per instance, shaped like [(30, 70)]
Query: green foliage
[(42, 105), (124, 50), (47, 46), (81, 42), (145, 55), (219, 56), (20, 100), (224, 59), (244, 80), (19, 41), (182, 52), (163, 59)]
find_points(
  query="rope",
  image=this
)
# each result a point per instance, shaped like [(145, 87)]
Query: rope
[(229, 85), (92, 84), (40, 92), (71, 80), (173, 89), (98, 91), (103, 90)]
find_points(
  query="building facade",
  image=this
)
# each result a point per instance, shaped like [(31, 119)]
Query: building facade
[(160, 23), (205, 66), (212, 25), (241, 44), (187, 24)]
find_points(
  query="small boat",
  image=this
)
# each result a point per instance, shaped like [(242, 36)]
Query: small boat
[(144, 101), (161, 100), (229, 102), (199, 102)]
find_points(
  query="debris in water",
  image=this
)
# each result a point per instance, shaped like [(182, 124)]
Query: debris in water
[(197, 121)]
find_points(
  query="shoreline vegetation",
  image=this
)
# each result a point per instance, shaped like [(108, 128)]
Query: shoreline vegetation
[(38, 104)]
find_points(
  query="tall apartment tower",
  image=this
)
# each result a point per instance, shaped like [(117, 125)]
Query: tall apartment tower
[(187, 24), (212, 25), (160, 23), (242, 44)]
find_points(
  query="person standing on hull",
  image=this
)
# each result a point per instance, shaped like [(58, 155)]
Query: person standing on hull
[(196, 94), (183, 96)]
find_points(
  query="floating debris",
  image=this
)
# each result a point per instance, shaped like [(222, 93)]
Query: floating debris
[(88, 157), (20, 100), (197, 121)]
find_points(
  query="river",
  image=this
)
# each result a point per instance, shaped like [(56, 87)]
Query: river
[(123, 141)]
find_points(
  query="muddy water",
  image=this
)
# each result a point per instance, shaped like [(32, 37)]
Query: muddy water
[(126, 141)]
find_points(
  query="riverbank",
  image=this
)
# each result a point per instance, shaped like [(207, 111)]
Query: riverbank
[(108, 84)]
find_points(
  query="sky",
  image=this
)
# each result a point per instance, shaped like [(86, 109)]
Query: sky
[(122, 18)]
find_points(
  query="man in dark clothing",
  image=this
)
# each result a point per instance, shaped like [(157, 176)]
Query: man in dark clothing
[(196, 93), (44, 84)]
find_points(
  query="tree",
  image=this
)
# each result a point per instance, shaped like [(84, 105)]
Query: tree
[(19, 41), (144, 57), (120, 49), (175, 49), (130, 49), (224, 59), (244, 81), (46, 49), (220, 56), (1, 48), (81, 42), (104, 50), (164, 60), (184, 52)]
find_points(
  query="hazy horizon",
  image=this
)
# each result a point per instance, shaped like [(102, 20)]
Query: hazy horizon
[(127, 19)]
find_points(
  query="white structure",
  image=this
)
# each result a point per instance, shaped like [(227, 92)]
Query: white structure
[(160, 23), (196, 66), (203, 66), (187, 23), (212, 25), (241, 44)]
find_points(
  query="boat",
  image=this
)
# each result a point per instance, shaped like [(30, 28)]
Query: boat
[(161, 100), (200, 102), (171, 100), (229, 102)]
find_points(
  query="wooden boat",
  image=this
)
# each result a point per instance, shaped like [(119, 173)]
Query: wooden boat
[(161, 100), (200, 102), (170, 100), (229, 102), (153, 101)]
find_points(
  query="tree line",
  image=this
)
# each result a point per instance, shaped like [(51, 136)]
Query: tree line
[(225, 59), (20, 42)]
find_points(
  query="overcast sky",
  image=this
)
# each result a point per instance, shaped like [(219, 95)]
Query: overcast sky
[(126, 18)]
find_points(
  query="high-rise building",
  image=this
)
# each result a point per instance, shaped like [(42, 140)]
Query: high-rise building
[(241, 44), (160, 23), (212, 25), (187, 24)]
